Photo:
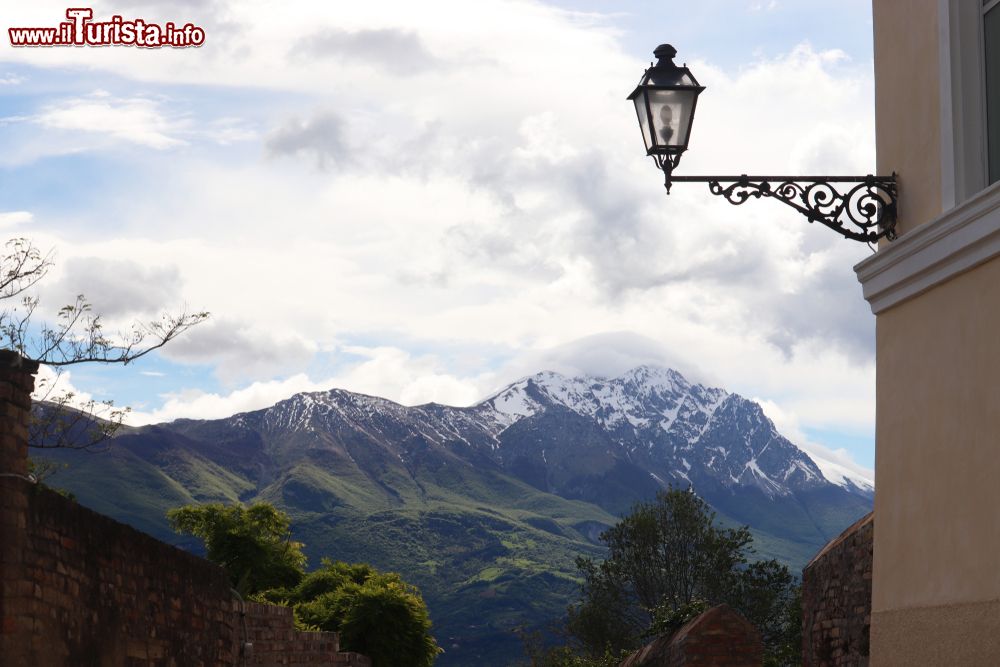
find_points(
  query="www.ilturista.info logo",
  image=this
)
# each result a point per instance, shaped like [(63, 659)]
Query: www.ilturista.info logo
[(82, 30)]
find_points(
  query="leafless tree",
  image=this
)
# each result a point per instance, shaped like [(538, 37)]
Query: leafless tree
[(77, 336)]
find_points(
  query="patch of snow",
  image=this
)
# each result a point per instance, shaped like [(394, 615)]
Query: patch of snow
[(670, 416), (514, 403), (658, 479), (636, 421), (753, 467), (709, 412), (842, 475)]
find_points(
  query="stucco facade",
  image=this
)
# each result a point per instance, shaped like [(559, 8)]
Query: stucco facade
[(906, 44), (936, 295)]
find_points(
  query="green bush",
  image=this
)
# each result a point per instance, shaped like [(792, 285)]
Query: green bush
[(376, 613)]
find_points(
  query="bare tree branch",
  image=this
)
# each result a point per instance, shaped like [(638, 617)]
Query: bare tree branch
[(76, 337), (59, 420), (22, 267)]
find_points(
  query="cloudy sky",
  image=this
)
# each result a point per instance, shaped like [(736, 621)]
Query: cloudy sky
[(427, 200)]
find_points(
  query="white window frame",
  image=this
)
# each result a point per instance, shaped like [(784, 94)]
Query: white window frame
[(967, 233), (985, 7), (964, 167)]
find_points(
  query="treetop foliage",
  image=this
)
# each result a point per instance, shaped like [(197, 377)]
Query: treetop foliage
[(252, 543), (376, 613), (667, 561)]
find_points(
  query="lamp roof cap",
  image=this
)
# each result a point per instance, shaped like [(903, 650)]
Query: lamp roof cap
[(665, 51)]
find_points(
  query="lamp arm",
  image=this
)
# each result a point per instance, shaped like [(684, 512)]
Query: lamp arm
[(861, 208)]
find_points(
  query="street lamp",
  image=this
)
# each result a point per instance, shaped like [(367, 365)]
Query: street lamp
[(862, 208), (665, 101)]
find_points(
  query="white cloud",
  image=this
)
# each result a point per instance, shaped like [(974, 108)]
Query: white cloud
[(498, 200), (195, 404), (135, 120), (384, 371), (58, 386), (230, 130), (14, 218), (239, 350), (117, 288), (606, 354), (50, 383)]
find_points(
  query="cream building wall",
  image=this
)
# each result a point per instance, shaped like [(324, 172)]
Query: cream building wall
[(907, 112), (936, 295)]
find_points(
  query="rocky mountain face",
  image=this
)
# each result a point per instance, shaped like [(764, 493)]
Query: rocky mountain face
[(655, 420), (485, 507), (605, 441)]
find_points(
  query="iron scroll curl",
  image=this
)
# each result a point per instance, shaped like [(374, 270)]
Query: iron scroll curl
[(861, 208)]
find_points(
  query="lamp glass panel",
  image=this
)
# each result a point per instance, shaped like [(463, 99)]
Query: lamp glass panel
[(687, 80), (640, 110), (671, 111)]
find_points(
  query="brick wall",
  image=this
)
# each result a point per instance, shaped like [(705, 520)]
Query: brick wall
[(276, 642), (78, 588), (837, 600), (720, 637), (16, 590)]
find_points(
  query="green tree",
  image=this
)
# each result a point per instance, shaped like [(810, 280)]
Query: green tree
[(252, 543), (376, 613), (666, 560)]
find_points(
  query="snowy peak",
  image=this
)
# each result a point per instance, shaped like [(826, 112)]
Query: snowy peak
[(643, 395), (652, 419), (520, 399), (677, 430)]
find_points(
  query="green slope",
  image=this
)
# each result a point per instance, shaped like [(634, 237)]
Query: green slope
[(490, 553)]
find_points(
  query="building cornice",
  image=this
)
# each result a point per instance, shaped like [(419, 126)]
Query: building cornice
[(931, 254)]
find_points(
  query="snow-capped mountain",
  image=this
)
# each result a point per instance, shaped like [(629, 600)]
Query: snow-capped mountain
[(650, 417), (662, 421), (606, 440)]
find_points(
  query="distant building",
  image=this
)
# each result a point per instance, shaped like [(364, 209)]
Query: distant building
[(936, 294)]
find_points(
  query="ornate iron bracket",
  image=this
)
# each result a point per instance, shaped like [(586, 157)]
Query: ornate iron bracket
[(861, 208)]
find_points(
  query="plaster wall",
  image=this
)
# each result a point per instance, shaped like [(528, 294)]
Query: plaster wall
[(907, 107), (938, 452), (936, 583)]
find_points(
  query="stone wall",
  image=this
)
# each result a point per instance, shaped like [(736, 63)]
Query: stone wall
[(837, 600), (78, 588), (720, 637)]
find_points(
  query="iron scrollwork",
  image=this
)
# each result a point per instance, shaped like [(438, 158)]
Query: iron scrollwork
[(862, 208)]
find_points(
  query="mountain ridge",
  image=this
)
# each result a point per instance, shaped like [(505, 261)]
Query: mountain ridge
[(514, 401)]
